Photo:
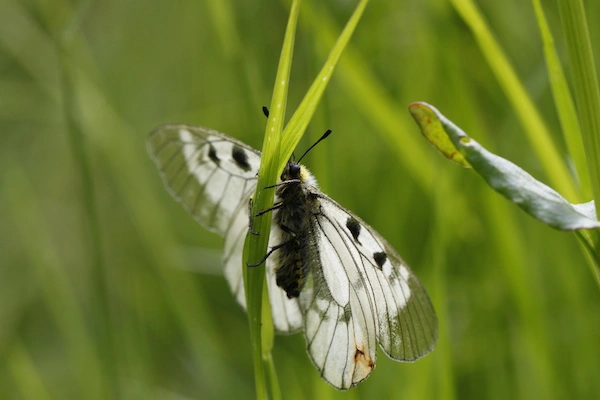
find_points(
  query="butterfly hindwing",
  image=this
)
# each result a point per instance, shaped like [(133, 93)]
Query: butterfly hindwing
[(407, 322), (361, 293), (233, 249), (287, 316)]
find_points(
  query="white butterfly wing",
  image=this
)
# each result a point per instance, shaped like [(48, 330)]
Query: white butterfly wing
[(361, 293), (213, 176), (208, 172)]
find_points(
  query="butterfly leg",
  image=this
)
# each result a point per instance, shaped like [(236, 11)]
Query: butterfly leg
[(288, 182), (275, 207), (275, 248), (258, 214)]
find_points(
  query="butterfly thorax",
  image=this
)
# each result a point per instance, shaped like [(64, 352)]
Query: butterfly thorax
[(294, 217)]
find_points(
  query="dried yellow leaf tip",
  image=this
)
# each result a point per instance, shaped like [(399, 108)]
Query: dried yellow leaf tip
[(432, 128)]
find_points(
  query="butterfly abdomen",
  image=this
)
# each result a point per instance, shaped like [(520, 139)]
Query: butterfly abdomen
[(293, 266)]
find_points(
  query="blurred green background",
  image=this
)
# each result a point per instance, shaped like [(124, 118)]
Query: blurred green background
[(108, 289)]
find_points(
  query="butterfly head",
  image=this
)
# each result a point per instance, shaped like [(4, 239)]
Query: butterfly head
[(298, 173), (293, 171)]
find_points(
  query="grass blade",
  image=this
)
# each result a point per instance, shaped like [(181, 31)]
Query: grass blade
[(585, 82), (303, 114), (564, 103), (534, 126), (256, 245)]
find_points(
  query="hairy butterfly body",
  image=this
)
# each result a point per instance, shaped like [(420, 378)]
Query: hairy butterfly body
[(296, 204), (328, 273)]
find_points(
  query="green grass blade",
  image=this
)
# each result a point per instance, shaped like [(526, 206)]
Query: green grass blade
[(303, 114), (373, 100), (534, 126), (564, 103), (585, 82), (256, 245), (268, 337)]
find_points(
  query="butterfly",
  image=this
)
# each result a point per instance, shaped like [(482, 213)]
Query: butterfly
[(329, 274)]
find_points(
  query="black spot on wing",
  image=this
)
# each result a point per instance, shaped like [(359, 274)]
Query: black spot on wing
[(212, 154), (240, 157), (380, 258), (354, 227)]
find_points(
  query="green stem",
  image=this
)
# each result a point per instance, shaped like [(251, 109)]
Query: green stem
[(563, 101), (585, 82), (588, 239), (534, 125), (256, 245), (587, 97), (303, 114)]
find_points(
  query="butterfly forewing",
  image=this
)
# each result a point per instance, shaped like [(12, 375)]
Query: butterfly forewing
[(209, 173)]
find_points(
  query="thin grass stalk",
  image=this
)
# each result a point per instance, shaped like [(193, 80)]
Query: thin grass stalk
[(535, 127), (563, 101), (587, 98), (256, 244)]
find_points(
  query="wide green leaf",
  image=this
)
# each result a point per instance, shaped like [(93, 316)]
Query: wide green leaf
[(533, 196)]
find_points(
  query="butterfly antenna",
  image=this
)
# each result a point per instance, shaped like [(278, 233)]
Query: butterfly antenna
[(316, 143), (265, 111)]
